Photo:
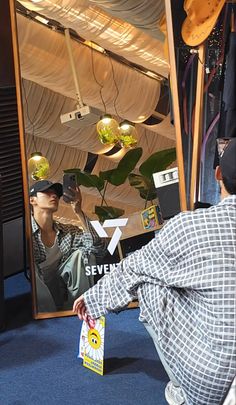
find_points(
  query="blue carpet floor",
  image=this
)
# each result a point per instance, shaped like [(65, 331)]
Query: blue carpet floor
[(39, 365)]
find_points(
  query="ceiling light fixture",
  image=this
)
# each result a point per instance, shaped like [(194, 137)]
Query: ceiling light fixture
[(107, 127), (94, 46), (127, 134), (108, 130), (41, 19), (38, 166)]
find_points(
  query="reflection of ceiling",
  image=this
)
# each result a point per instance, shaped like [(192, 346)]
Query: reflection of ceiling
[(44, 60), (128, 29), (112, 28), (43, 107), (142, 14)]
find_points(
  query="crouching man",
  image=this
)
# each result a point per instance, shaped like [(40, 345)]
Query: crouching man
[(185, 281)]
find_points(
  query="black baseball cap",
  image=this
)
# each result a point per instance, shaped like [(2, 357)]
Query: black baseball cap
[(228, 160), (44, 185)]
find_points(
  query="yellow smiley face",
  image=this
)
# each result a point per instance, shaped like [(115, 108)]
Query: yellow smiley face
[(94, 338)]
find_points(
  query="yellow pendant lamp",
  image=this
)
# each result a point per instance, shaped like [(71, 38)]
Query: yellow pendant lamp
[(38, 166), (127, 134), (108, 130)]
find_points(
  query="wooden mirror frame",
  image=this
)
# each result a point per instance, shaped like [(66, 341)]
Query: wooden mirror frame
[(197, 131), (176, 107), (11, 11), (15, 49), (180, 161)]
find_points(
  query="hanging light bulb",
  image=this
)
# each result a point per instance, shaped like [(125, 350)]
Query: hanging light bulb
[(107, 129), (38, 166), (127, 134)]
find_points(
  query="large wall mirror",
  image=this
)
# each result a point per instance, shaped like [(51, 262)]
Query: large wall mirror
[(48, 91)]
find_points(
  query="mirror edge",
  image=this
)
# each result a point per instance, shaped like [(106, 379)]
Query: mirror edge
[(27, 216)]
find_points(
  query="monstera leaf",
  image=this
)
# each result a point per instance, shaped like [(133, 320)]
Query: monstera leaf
[(157, 162), (143, 182), (125, 166), (104, 212), (86, 179), (145, 186), (138, 181)]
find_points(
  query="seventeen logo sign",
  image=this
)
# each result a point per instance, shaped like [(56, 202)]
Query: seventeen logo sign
[(110, 223)]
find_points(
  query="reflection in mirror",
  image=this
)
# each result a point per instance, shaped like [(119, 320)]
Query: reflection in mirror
[(48, 92), (61, 251)]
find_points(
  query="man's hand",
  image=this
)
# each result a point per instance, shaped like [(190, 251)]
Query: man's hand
[(80, 309)]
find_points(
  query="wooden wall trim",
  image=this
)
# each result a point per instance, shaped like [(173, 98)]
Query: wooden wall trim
[(176, 108)]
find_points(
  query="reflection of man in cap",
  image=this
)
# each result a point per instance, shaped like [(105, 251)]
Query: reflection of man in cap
[(54, 243), (185, 281)]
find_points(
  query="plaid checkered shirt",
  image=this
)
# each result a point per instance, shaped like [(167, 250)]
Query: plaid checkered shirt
[(185, 281), (69, 239)]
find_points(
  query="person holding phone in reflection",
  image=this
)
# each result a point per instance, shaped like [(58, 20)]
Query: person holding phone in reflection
[(185, 281), (60, 250)]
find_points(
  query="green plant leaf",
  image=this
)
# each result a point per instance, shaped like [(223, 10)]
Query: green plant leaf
[(86, 179), (74, 170), (145, 186), (107, 136), (139, 182), (104, 213), (157, 162), (125, 166), (148, 195)]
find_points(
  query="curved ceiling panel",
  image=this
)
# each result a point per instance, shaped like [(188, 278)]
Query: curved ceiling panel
[(44, 60), (113, 34), (142, 14)]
